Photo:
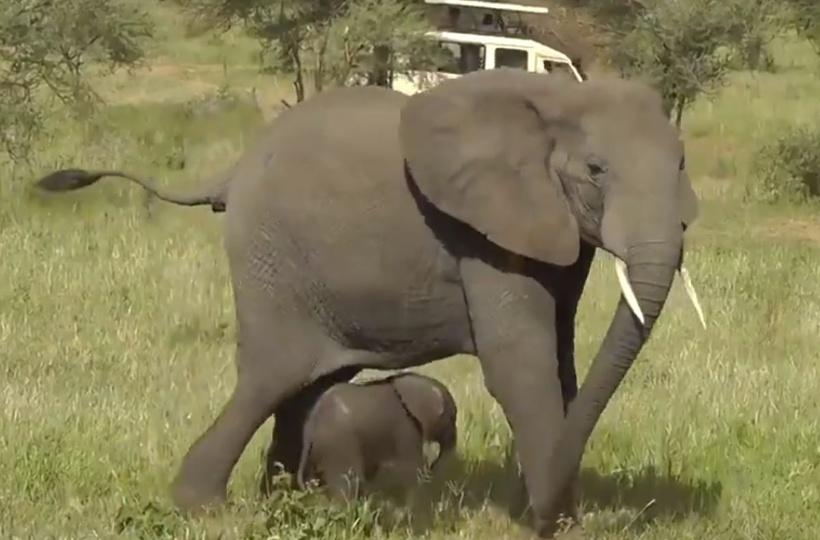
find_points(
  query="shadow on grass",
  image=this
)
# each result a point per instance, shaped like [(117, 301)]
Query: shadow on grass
[(459, 490), (645, 495), (657, 494)]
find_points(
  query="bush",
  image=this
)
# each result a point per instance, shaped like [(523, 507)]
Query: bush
[(326, 43), (787, 167), (45, 50), (684, 49)]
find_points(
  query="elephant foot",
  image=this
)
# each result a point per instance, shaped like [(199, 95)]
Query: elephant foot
[(574, 532), (562, 529), (195, 499), (276, 476), (565, 524)]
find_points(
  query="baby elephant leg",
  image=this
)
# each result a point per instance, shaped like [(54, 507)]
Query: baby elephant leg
[(405, 475), (398, 476), (342, 470), (286, 444)]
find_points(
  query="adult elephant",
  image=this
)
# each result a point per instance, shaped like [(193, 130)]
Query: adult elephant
[(368, 229)]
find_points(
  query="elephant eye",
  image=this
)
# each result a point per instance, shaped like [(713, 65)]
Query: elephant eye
[(682, 164), (596, 167)]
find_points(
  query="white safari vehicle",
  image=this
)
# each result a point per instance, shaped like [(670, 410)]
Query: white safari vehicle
[(481, 35)]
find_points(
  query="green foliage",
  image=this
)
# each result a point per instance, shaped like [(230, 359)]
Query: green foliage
[(805, 18), (377, 39), (328, 42), (310, 515), (756, 24), (114, 356), (45, 48), (788, 166), (687, 48), (294, 514), (678, 47)]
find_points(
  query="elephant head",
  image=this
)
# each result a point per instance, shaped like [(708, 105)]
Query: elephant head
[(432, 405), (539, 164)]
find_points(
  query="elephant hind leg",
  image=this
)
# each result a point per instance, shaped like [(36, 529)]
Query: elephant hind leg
[(274, 360), (203, 476)]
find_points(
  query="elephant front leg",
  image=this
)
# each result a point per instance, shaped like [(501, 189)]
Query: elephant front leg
[(565, 328), (572, 284), (513, 320)]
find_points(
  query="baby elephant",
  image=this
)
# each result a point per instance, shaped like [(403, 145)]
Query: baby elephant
[(355, 432)]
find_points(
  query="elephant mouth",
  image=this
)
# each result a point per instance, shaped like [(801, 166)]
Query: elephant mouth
[(590, 221), (622, 273)]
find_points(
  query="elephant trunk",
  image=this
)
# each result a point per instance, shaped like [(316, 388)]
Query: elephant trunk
[(651, 268), (445, 447), (446, 439)]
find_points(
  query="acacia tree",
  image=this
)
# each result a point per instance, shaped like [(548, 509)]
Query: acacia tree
[(756, 24), (805, 18), (684, 47), (677, 45), (327, 42), (45, 48)]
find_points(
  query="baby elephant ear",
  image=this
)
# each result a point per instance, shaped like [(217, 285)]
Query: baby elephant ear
[(478, 150), (422, 398)]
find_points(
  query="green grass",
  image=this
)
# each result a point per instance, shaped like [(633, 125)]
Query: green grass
[(117, 338)]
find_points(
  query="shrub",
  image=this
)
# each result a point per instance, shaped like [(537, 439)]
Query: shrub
[(787, 167), (45, 50)]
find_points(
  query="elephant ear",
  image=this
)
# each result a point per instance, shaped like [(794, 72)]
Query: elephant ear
[(478, 149), (421, 398)]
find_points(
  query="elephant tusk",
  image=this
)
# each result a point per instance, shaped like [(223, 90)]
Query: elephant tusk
[(626, 289), (690, 292)]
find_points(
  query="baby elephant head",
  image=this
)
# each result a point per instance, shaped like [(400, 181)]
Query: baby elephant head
[(430, 403)]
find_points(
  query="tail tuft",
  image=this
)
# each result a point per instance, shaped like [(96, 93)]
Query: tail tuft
[(68, 180)]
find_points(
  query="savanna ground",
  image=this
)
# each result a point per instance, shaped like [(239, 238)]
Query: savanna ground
[(117, 338)]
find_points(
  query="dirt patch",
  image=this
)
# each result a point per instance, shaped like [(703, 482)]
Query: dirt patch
[(803, 229)]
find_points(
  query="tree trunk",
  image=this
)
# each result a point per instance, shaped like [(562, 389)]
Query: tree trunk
[(381, 58), (299, 81), (319, 75), (679, 106)]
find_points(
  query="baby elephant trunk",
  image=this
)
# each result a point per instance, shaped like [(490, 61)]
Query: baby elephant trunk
[(446, 445), (429, 403), (446, 435)]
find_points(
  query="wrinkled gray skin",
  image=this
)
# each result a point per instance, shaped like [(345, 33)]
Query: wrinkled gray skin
[(370, 229), (356, 431)]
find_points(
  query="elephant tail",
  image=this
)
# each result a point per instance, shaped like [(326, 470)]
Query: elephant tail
[(304, 459), (213, 194), (307, 438)]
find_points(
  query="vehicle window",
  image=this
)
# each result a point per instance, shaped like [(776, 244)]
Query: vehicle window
[(513, 58), (558, 67), (462, 57), (453, 15)]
